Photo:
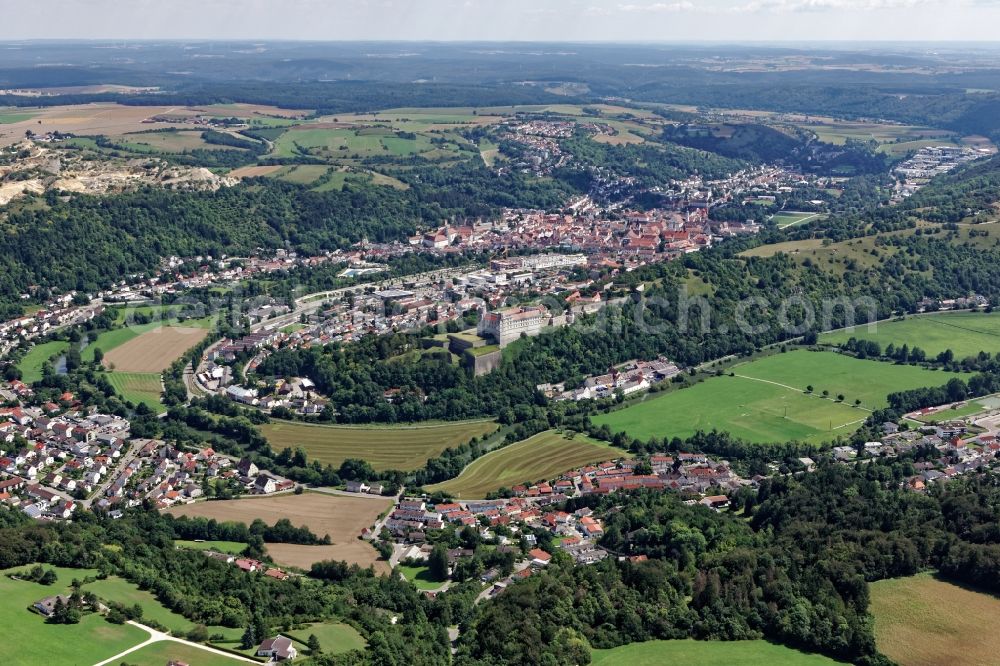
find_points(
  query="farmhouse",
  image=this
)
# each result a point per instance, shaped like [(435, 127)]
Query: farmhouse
[(47, 606), (278, 648)]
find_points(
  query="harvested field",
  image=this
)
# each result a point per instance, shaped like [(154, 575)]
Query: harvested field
[(922, 620), (254, 171), (393, 447), (154, 350), (341, 517), (116, 119)]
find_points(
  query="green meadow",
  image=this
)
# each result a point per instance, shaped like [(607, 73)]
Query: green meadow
[(767, 400)]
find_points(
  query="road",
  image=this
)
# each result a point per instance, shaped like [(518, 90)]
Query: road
[(158, 636), (123, 461)]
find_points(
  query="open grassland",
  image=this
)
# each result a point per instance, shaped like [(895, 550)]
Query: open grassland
[(144, 387), (346, 143), (921, 620), (392, 447), (164, 652), (341, 517), (230, 547), (31, 365), (544, 456), (37, 642), (123, 592), (706, 653), (334, 637), (964, 333), (155, 350), (766, 400)]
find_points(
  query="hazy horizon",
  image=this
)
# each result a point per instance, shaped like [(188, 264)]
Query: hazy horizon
[(625, 21)]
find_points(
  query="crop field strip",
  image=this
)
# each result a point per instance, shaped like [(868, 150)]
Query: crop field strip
[(390, 447), (144, 387), (543, 456)]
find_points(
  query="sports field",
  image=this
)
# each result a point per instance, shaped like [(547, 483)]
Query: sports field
[(766, 400), (163, 652), (544, 456), (964, 333), (789, 218), (392, 447), (921, 620), (706, 653), (57, 644), (139, 387), (31, 365), (341, 517), (154, 350)]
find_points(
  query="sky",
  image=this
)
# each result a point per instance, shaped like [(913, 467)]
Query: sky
[(502, 20)]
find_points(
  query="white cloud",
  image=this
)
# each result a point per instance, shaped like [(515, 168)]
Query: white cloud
[(658, 7)]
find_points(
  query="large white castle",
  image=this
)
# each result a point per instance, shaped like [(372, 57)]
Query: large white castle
[(505, 326)]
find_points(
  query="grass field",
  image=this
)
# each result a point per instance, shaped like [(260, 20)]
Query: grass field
[(537, 458), (394, 447), (231, 547), (346, 142), (139, 387), (57, 644), (765, 401), (420, 576), (964, 333), (705, 653), (10, 118), (121, 591), (341, 517), (155, 350), (334, 637), (162, 652), (962, 410), (921, 620), (31, 365)]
